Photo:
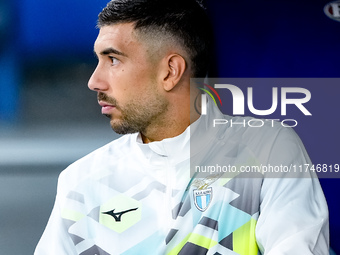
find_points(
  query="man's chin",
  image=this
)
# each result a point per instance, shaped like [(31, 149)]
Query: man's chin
[(116, 126), (122, 128)]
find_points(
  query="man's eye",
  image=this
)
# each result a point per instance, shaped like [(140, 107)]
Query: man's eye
[(114, 60)]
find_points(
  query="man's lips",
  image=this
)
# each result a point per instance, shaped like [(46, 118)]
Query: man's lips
[(106, 107)]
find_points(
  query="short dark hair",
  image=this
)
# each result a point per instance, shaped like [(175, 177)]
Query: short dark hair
[(185, 20)]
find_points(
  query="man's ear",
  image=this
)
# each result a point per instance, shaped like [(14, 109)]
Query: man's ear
[(175, 67)]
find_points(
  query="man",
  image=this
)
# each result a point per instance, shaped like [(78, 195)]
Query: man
[(136, 196)]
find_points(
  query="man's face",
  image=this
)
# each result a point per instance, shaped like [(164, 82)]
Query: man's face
[(126, 80)]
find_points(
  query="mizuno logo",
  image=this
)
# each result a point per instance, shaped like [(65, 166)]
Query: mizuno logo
[(118, 216)]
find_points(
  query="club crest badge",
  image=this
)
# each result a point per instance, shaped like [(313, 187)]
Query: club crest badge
[(202, 198)]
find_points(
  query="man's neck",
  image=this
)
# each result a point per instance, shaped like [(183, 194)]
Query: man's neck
[(177, 121)]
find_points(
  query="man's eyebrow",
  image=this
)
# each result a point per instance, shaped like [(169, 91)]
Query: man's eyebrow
[(108, 51)]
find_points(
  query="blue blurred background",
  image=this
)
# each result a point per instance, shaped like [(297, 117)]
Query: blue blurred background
[(48, 117)]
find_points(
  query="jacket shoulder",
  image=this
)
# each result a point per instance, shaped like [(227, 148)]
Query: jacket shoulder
[(94, 162)]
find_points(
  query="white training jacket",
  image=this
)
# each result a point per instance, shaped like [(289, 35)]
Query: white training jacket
[(228, 189)]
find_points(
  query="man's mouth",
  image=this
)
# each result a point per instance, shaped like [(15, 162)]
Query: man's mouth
[(106, 107)]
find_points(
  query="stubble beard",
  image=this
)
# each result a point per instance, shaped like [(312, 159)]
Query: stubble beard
[(137, 116)]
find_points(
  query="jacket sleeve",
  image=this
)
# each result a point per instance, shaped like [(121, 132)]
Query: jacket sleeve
[(56, 239), (293, 212)]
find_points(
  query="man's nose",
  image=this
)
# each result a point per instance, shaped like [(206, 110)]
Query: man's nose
[(97, 82)]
